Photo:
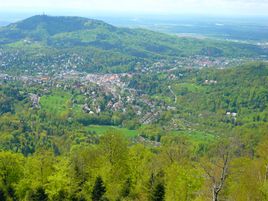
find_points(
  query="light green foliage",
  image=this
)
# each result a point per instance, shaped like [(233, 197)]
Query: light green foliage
[(59, 182), (182, 182), (11, 171)]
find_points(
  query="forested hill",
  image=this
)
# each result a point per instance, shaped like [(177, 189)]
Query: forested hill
[(101, 46), (55, 25)]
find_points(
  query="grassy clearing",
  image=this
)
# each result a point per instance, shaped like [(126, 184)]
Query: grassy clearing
[(196, 136), (189, 87), (100, 130), (56, 104)]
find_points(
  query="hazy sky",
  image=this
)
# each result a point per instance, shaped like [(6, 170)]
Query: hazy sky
[(239, 7)]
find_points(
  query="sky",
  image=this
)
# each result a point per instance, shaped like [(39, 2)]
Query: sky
[(174, 7)]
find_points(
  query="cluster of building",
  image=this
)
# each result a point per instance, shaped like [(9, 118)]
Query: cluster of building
[(192, 62), (40, 62), (107, 79)]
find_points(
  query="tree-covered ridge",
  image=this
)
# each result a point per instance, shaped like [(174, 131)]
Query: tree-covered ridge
[(49, 26), (98, 46), (54, 25), (221, 97)]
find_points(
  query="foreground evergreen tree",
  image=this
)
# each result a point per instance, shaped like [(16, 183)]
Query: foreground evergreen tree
[(126, 188), (158, 193), (39, 195), (2, 195), (98, 190)]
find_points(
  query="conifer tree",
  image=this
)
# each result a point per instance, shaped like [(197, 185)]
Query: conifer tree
[(158, 193), (2, 195), (39, 195), (98, 190), (126, 188)]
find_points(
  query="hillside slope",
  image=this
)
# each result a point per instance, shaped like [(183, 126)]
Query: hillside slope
[(102, 46)]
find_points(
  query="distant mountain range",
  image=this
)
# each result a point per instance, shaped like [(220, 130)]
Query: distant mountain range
[(4, 23), (103, 46)]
